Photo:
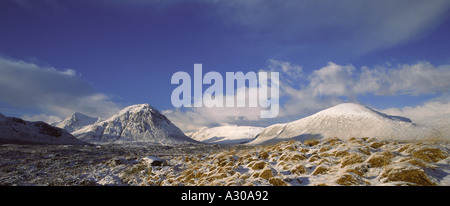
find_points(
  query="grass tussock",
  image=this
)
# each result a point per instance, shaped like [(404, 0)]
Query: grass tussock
[(352, 159), (406, 173), (379, 160), (357, 161), (429, 154), (348, 179)]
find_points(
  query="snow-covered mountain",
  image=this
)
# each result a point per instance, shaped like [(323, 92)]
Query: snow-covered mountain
[(227, 134), (17, 131), (345, 121), (75, 121), (134, 125)]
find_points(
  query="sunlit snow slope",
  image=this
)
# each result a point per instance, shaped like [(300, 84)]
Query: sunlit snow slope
[(345, 121), (227, 134)]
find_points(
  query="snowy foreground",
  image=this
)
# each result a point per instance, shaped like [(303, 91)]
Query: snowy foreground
[(355, 161)]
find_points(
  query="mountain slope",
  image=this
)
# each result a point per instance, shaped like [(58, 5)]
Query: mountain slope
[(75, 121), (134, 125), (17, 131), (441, 123), (345, 121), (227, 134)]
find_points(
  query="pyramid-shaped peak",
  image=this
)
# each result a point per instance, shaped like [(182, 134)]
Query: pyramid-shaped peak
[(135, 124), (137, 108), (75, 121), (138, 111), (79, 115)]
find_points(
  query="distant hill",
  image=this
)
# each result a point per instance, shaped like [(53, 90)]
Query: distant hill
[(18, 131), (227, 134), (75, 121), (345, 121)]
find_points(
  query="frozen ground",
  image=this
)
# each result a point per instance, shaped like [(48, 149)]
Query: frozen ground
[(79, 165), (354, 161)]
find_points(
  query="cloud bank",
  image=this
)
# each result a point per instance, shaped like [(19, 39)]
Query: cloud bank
[(56, 93)]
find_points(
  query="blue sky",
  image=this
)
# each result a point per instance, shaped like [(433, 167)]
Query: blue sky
[(96, 57)]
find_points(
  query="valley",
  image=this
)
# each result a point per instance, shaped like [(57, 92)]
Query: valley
[(348, 144), (355, 161)]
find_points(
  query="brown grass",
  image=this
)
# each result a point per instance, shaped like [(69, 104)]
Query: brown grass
[(297, 157), (266, 173), (352, 158), (264, 155), (350, 162), (314, 158), (320, 170), (429, 154), (341, 153), (299, 169), (416, 162), (258, 165), (311, 142), (348, 179), (275, 181), (378, 160), (364, 150), (376, 145), (406, 173)]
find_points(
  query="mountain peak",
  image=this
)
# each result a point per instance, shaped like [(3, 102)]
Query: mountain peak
[(348, 109), (358, 110), (78, 114), (75, 121), (140, 123), (139, 113), (345, 121), (138, 107)]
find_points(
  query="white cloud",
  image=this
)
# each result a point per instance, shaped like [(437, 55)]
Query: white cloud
[(333, 83), (42, 117), (334, 80), (57, 93), (434, 113), (432, 108), (289, 72), (194, 118), (416, 79)]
